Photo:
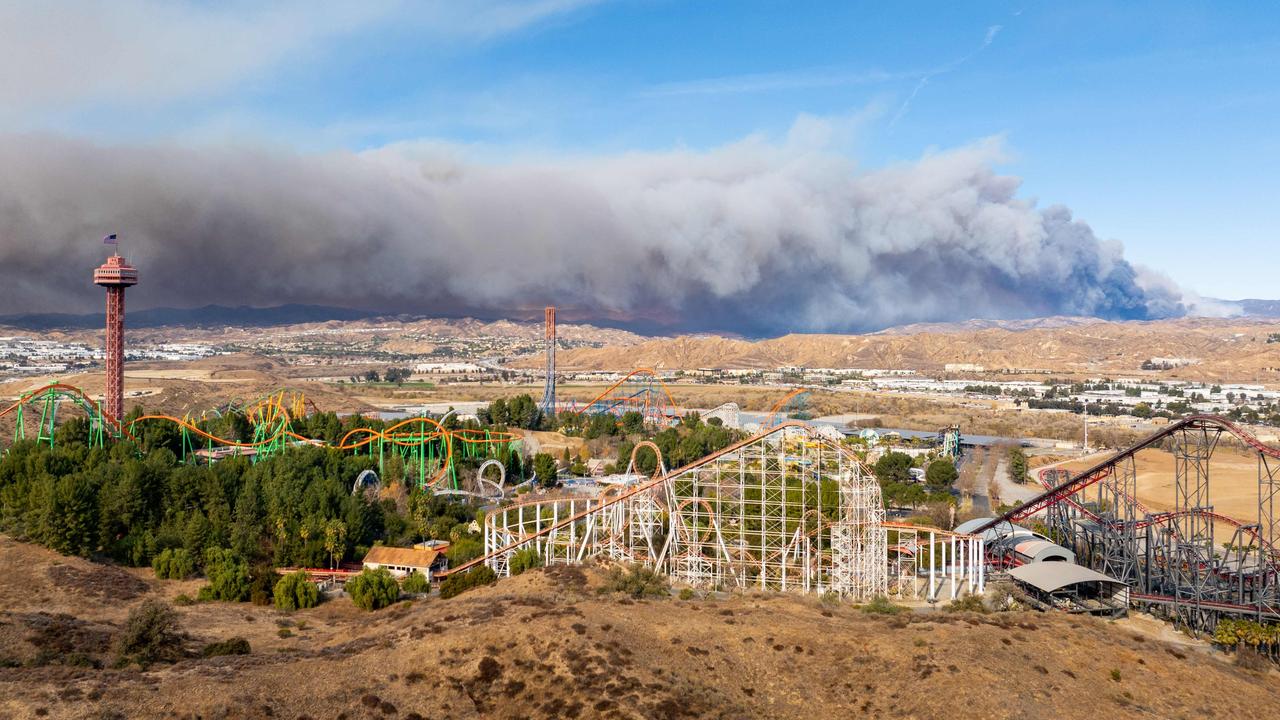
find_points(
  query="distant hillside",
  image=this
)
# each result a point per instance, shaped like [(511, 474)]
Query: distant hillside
[(1223, 349), (1261, 308), (209, 315)]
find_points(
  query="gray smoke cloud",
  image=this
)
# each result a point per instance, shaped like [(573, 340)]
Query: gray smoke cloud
[(757, 237)]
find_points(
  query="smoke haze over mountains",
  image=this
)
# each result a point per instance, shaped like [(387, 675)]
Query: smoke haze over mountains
[(755, 237)]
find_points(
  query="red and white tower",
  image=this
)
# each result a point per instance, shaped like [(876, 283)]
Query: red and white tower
[(115, 275)]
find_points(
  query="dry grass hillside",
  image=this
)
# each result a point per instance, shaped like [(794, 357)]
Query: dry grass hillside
[(548, 645), (1226, 349)]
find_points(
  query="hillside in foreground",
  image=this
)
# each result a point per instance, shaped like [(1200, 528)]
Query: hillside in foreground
[(548, 645)]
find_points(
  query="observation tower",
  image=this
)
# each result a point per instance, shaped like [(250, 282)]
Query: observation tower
[(115, 275)]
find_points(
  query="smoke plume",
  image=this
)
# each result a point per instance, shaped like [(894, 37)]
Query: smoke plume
[(756, 237)]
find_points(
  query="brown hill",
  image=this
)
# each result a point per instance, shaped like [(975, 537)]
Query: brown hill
[(549, 645), (1222, 350)]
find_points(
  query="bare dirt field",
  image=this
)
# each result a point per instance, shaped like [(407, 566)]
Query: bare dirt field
[(548, 645)]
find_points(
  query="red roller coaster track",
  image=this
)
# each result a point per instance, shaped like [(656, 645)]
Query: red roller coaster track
[(1105, 468)]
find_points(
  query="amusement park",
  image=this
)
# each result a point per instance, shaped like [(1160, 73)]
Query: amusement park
[(788, 506)]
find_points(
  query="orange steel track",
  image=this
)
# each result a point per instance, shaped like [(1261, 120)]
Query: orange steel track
[(273, 408), (771, 419), (360, 437), (653, 375)]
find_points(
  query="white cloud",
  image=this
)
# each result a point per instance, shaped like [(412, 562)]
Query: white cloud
[(61, 56)]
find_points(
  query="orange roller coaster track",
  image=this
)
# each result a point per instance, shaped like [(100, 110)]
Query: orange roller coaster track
[(272, 416), (48, 397), (660, 409)]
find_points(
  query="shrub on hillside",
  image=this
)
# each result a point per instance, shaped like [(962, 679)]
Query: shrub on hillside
[(230, 646), (416, 583), (459, 583), (296, 592), (522, 560), (262, 584), (880, 605), (637, 581), (373, 589), (150, 634), (968, 603), (228, 575), (174, 564)]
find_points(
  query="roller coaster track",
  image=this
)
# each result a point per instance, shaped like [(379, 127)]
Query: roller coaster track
[(358, 438), (606, 402), (57, 391), (1106, 467), (772, 418), (1171, 559), (637, 489), (783, 509), (273, 414)]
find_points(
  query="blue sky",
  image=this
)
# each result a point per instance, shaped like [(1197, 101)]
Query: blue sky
[(1156, 123)]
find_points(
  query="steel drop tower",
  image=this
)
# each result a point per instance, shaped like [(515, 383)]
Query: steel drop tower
[(115, 275), (549, 390)]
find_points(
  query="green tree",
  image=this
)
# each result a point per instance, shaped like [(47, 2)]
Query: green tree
[(544, 466), (632, 422), (373, 589), (335, 540), (174, 564), (295, 591), (228, 575), (893, 467), (941, 474), (1142, 410), (1017, 465)]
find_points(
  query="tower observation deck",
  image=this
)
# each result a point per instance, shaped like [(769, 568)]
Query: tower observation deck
[(115, 275)]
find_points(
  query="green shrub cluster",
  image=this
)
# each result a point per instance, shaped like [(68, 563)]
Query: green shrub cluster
[(459, 583), (230, 646), (1262, 639), (228, 575), (522, 560), (373, 589), (174, 564), (880, 605), (637, 581), (416, 583), (968, 603), (150, 634), (295, 591)]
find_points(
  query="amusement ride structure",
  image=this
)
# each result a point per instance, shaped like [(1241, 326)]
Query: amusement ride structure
[(1173, 561), (548, 405), (783, 510), (115, 275), (640, 390), (421, 443)]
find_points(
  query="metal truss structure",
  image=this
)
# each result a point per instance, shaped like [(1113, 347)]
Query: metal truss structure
[(424, 446), (1173, 561), (28, 425), (640, 390), (783, 510), (548, 404)]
